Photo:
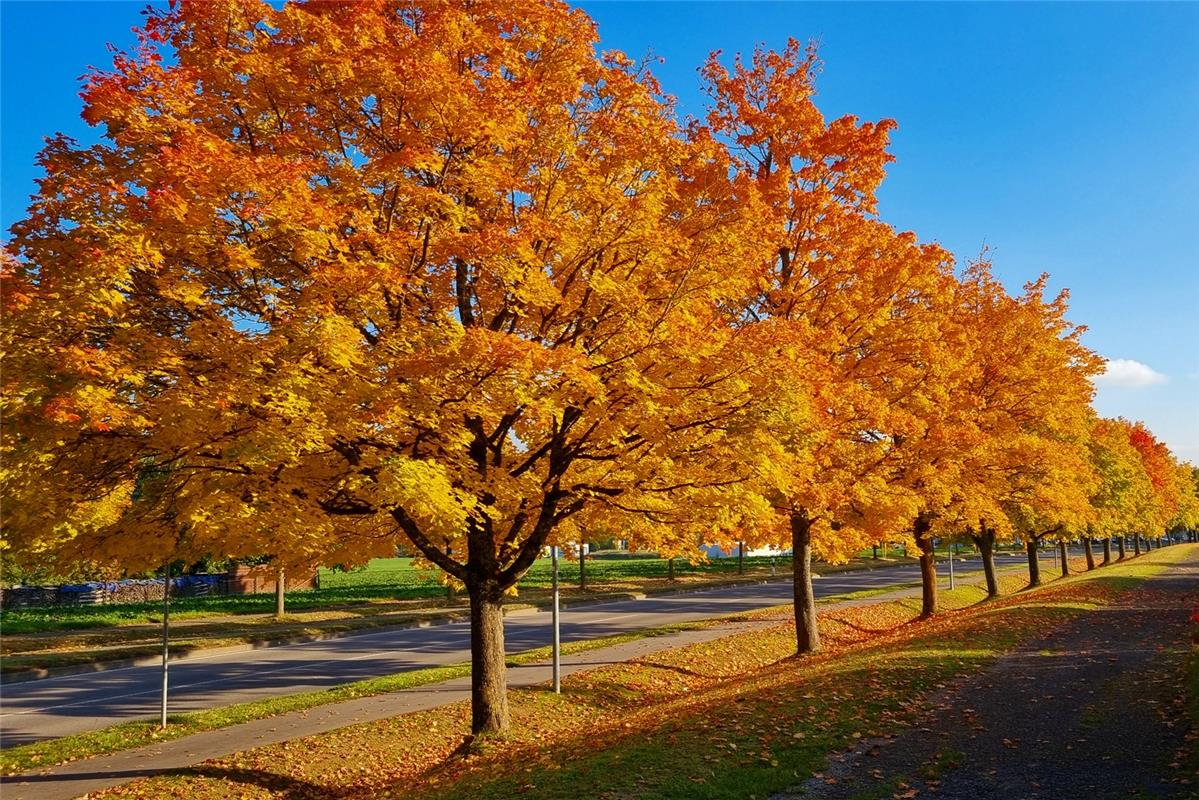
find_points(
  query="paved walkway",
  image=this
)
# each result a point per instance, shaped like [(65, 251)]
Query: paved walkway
[(90, 775), (1092, 710)]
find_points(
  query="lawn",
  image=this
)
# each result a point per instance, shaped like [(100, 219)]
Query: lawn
[(384, 579), (731, 718)]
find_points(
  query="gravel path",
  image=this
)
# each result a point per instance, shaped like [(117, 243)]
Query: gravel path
[(1091, 710)]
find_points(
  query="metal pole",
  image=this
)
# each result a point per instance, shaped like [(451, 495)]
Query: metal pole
[(557, 641), (166, 641), (951, 584)]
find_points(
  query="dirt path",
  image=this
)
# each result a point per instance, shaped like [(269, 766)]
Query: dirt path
[(1092, 710)]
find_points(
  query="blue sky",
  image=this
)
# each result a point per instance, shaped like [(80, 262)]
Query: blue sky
[(1064, 136)]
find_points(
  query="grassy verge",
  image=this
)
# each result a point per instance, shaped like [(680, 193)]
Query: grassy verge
[(729, 718)]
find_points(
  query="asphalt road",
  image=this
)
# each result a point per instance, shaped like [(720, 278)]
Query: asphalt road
[(56, 707)]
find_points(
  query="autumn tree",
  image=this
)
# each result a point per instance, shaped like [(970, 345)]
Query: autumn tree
[(1186, 519), (342, 274), (1167, 486), (839, 302), (1123, 491), (1021, 467)]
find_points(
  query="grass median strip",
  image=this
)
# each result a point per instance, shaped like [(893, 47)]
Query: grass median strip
[(730, 717)]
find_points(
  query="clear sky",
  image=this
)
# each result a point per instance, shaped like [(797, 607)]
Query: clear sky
[(1064, 136)]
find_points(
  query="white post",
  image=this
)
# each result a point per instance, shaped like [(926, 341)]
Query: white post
[(951, 586), (556, 648), (166, 641)]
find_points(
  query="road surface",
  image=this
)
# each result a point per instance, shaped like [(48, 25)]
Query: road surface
[(61, 706)]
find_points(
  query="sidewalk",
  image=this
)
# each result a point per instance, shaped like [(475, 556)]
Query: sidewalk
[(1095, 708), (90, 775)]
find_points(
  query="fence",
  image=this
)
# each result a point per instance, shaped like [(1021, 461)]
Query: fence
[(218, 584), (105, 592)]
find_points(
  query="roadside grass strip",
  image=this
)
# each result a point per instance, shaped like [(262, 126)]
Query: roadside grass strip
[(733, 717)]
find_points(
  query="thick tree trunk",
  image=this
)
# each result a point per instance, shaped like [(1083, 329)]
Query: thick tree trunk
[(1064, 552), (807, 635), (1120, 547), (1089, 549), (928, 566), (874, 547), (1034, 566), (1136, 544), (280, 589), (488, 671), (740, 558), (1107, 550), (670, 568), (985, 542)]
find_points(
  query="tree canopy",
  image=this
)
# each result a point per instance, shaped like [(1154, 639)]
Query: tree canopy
[(342, 276)]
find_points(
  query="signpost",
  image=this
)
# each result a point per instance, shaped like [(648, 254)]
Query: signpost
[(166, 642), (556, 648), (951, 549)]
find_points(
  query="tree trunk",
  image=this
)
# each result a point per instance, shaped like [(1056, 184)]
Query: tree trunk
[(740, 558), (1107, 550), (807, 635), (985, 542), (280, 588), (1034, 566), (1064, 552), (1089, 549), (488, 671), (670, 569), (1136, 544), (874, 547), (1120, 546), (928, 566)]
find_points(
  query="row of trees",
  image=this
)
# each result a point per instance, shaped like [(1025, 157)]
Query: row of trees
[(338, 276)]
